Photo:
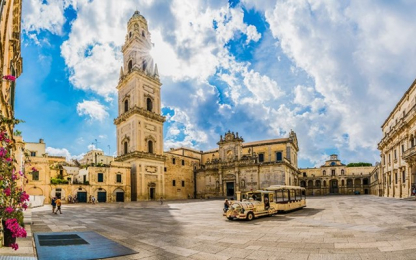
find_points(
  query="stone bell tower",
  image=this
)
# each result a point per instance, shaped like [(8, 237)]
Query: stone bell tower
[(140, 123)]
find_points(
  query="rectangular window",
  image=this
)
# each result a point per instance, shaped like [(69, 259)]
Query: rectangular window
[(183, 162), (395, 177), (173, 183), (395, 155), (402, 148), (333, 172), (404, 177), (261, 157), (166, 169), (35, 175), (389, 159), (33, 154), (118, 178), (279, 157), (100, 177), (183, 183), (173, 160)]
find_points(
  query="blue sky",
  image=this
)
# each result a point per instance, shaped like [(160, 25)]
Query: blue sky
[(332, 71)]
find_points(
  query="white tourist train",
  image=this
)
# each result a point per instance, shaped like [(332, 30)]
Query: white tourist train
[(272, 200)]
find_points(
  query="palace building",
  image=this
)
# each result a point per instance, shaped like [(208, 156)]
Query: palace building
[(398, 148), (335, 177)]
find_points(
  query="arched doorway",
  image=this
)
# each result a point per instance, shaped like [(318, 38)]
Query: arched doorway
[(152, 191), (333, 186), (119, 194)]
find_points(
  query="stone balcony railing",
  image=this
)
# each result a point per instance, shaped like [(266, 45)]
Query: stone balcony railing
[(138, 154), (139, 111), (409, 154)]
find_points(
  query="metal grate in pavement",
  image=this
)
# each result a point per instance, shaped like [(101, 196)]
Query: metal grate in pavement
[(61, 240)]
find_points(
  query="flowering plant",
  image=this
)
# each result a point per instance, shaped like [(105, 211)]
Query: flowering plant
[(12, 197)]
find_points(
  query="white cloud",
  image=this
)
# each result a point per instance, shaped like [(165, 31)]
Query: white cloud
[(59, 152), (93, 109)]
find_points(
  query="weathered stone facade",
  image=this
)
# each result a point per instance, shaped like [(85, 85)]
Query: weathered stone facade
[(336, 178), (398, 148)]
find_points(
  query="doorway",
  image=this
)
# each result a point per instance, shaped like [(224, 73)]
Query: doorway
[(102, 196), (151, 193), (230, 189), (119, 196), (333, 188), (81, 196)]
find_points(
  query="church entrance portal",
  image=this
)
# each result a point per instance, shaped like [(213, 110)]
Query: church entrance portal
[(151, 193), (333, 188), (230, 189)]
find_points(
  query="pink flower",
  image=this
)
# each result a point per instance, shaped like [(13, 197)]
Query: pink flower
[(9, 210), (7, 191), (21, 173), (9, 77), (24, 197), (24, 205), (34, 169), (14, 177), (15, 246), (3, 152)]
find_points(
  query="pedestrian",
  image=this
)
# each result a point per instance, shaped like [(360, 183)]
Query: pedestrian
[(53, 203), (161, 200), (58, 204), (226, 205), (69, 199), (93, 199)]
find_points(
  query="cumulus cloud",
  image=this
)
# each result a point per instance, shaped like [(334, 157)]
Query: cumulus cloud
[(93, 109)]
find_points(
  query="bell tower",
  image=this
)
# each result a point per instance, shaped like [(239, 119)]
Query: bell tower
[(139, 123)]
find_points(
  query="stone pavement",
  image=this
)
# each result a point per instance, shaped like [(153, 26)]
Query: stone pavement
[(331, 227)]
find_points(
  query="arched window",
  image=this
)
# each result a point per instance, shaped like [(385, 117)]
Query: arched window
[(342, 172), (144, 65), (130, 66), (143, 34), (125, 147), (129, 34), (342, 183), (126, 105), (324, 172), (150, 146), (149, 104), (324, 183)]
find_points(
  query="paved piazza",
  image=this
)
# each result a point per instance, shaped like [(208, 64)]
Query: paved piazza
[(331, 227)]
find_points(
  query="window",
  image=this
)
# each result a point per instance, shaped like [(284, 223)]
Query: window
[(35, 175), (143, 35), (304, 174), (324, 172), (100, 177), (118, 178), (173, 183), (33, 154), (125, 147), (183, 162), (402, 148), (144, 65), (395, 177), (261, 157), (333, 172), (173, 160), (165, 169), (389, 159), (129, 34), (183, 183), (126, 105), (389, 179), (279, 156), (130, 66), (149, 104), (342, 172), (395, 154), (403, 177), (150, 146)]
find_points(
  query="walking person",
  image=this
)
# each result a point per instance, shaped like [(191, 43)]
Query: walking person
[(161, 200), (226, 205), (93, 200), (58, 204), (53, 203)]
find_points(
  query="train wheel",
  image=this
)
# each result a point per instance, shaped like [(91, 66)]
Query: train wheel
[(250, 216)]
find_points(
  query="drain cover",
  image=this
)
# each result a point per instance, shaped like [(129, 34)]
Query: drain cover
[(61, 240)]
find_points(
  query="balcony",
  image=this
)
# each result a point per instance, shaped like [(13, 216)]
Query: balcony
[(410, 154)]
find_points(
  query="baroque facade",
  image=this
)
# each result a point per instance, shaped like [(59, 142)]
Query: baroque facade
[(335, 177), (398, 148)]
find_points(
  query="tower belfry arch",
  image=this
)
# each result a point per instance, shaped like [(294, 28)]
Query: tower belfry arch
[(139, 123)]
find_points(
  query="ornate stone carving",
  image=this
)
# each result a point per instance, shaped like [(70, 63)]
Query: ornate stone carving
[(150, 127), (151, 169), (148, 89)]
